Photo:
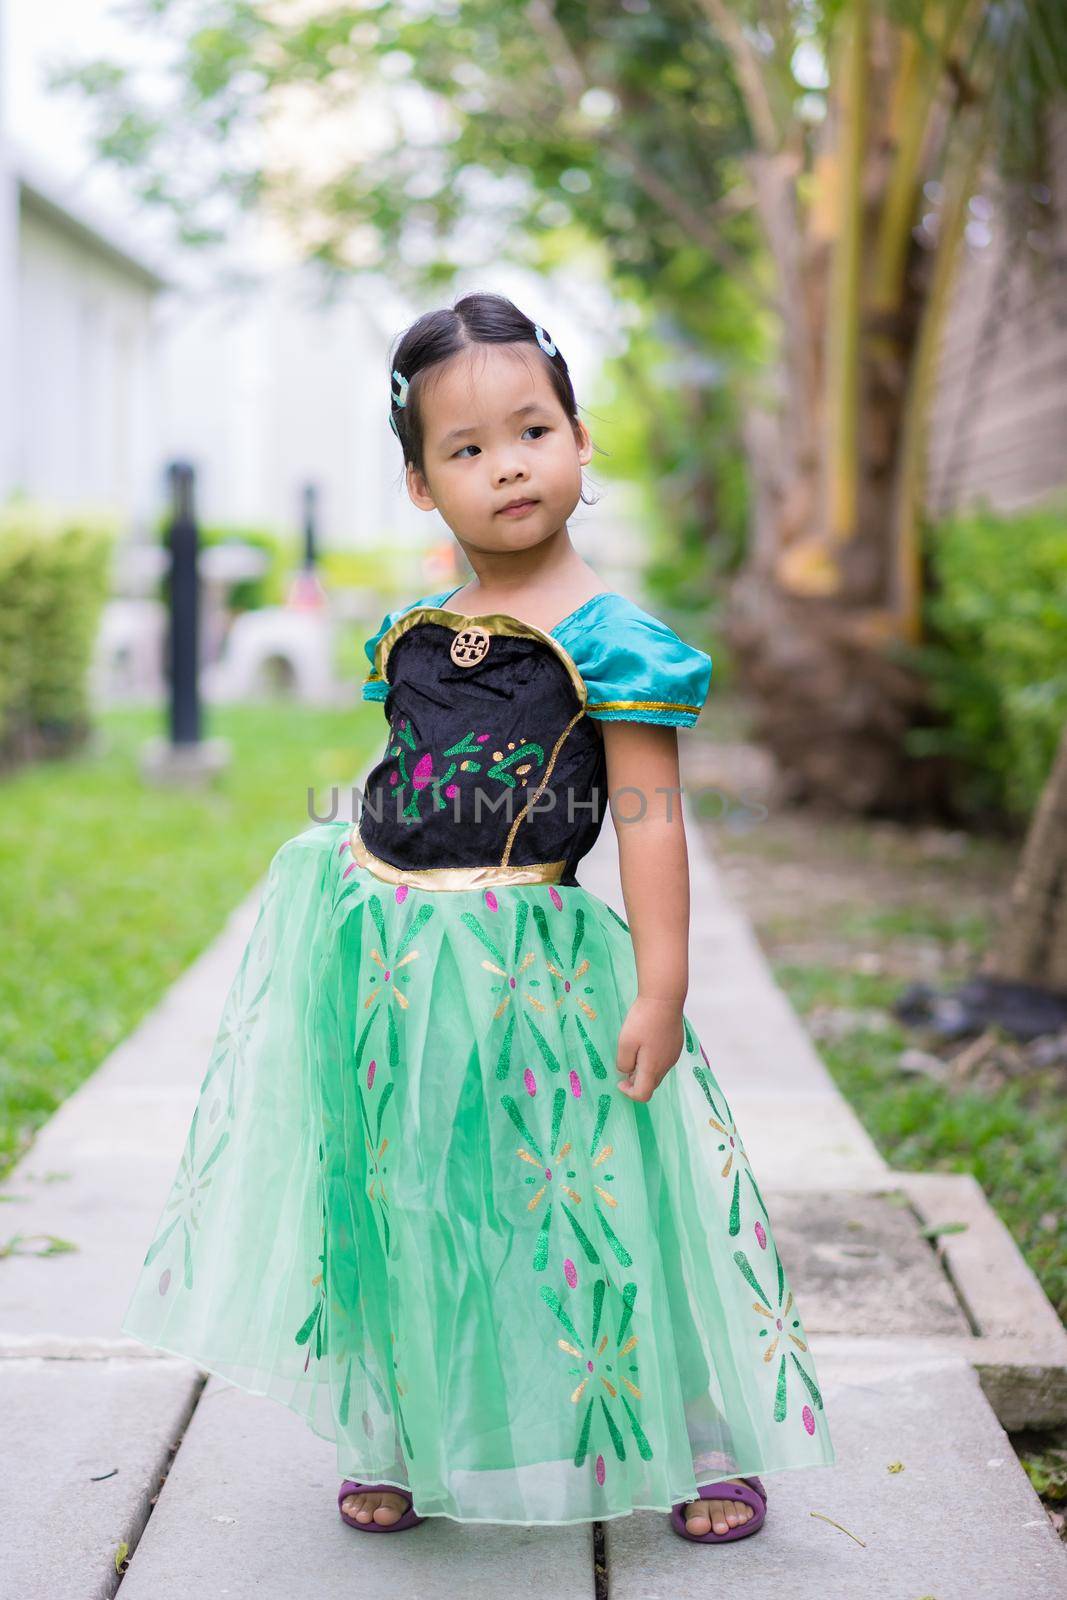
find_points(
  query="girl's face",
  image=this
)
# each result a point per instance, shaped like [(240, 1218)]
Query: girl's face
[(494, 433)]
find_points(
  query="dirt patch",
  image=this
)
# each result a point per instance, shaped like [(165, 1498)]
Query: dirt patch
[(915, 903)]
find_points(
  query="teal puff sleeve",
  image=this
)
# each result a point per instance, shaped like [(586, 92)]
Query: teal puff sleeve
[(374, 686), (639, 670)]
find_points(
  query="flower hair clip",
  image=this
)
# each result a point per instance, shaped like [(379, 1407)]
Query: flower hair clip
[(545, 341), (399, 399)]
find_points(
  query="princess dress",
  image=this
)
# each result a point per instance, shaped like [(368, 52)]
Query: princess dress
[(413, 1204)]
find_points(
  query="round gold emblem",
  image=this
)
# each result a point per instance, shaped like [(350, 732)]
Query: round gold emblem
[(470, 645)]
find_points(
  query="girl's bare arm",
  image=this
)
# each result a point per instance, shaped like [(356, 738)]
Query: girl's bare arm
[(646, 805)]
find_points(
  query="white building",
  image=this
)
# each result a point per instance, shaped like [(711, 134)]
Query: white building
[(80, 419), (117, 370), (265, 388)]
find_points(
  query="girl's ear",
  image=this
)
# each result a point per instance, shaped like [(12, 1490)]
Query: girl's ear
[(418, 489), (585, 444)]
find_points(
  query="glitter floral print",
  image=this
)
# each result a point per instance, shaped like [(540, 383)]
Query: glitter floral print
[(539, 1295), (422, 776), (490, 1276)]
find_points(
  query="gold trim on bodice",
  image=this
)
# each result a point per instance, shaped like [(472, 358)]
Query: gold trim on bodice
[(452, 877), (502, 872), (492, 622)]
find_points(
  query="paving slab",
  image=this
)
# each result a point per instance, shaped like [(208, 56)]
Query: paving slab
[(914, 1318), (1020, 1352), (250, 1508), (957, 1519), (863, 1265), (66, 1423)]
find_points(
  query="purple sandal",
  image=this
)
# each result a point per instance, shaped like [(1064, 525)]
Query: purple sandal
[(749, 1490), (407, 1519)]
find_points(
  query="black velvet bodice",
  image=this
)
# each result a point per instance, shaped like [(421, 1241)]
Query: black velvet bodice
[(491, 760)]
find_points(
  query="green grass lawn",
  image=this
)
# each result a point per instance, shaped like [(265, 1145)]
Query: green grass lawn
[(110, 888)]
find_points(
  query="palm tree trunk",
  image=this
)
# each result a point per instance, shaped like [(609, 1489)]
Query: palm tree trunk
[(1031, 945)]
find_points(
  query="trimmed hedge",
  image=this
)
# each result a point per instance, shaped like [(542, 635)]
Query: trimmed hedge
[(55, 575)]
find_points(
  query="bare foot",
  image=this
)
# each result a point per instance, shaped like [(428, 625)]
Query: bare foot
[(375, 1505), (717, 1516)]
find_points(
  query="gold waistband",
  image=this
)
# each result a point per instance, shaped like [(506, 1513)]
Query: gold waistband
[(452, 877)]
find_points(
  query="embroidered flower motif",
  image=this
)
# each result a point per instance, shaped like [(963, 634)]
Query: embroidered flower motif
[(510, 970), (605, 1364), (524, 756), (730, 1147), (571, 1002), (392, 974), (187, 1198), (555, 1184), (237, 1025), (315, 1321), (778, 1313), (419, 772)]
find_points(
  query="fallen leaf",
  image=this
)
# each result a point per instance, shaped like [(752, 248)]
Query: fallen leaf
[(120, 1556), (895, 1466), (834, 1524)]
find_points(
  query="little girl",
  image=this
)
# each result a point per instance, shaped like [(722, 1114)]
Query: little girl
[(461, 1187)]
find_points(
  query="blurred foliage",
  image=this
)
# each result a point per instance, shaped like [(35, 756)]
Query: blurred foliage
[(675, 433), (996, 653), (655, 147), (385, 570), (548, 134), (382, 569), (55, 574), (246, 594)]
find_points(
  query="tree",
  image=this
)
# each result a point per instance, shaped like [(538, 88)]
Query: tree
[(864, 222), (806, 164), (1031, 944), (464, 134)]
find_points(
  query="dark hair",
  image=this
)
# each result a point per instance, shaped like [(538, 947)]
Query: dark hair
[(438, 335)]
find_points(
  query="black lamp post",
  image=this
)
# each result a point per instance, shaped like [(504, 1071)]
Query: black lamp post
[(183, 757), (306, 592), (310, 519), (184, 540)]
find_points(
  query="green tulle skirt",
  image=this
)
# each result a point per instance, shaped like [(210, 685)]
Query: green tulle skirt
[(414, 1207)]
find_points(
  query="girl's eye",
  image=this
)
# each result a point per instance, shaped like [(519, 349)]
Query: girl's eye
[(535, 427)]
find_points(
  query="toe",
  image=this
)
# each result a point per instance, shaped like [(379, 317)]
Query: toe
[(390, 1509), (718, 1516), (736, 1512), (697, 1519)]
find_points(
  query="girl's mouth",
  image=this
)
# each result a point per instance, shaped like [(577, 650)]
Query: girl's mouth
[(518, 508)]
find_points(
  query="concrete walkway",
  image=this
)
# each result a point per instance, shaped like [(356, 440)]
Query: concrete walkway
[(924, 1350)]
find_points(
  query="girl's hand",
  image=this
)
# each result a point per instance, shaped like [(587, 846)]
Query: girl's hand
[(650, 1042)]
